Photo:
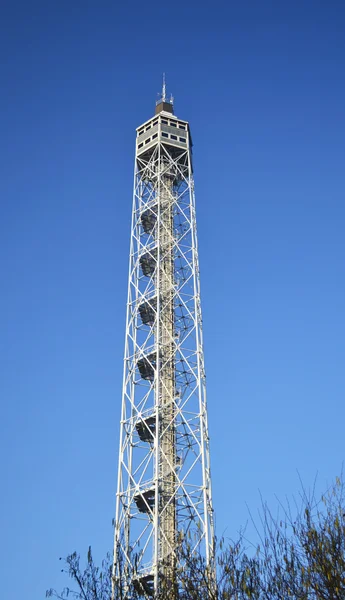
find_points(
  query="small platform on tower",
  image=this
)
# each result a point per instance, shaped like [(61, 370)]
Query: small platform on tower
[(149, 218), (147, 365), (144, 585), (145, 501), (147, 311), (146, 429), (148, 262)]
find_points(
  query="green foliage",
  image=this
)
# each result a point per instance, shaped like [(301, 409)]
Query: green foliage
[(89, 582), (300, 557)]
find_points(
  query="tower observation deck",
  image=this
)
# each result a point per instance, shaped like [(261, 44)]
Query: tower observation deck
[(164, 484)]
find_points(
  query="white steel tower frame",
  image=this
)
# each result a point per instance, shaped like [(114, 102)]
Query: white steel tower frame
[(164, 483)]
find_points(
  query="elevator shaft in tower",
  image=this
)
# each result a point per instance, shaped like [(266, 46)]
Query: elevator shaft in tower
[(165, 388)]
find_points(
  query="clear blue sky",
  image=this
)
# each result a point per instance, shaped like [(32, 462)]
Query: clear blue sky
[(262, 84)]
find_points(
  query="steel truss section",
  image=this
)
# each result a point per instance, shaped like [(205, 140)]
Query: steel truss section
[(164, 483)]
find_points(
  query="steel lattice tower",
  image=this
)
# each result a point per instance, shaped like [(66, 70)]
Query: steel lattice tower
[(164, 484)]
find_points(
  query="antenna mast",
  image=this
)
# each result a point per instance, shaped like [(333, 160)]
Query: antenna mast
[(164, 89)]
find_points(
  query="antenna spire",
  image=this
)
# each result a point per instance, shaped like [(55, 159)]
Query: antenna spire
[(164, 89), (163, 104)]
